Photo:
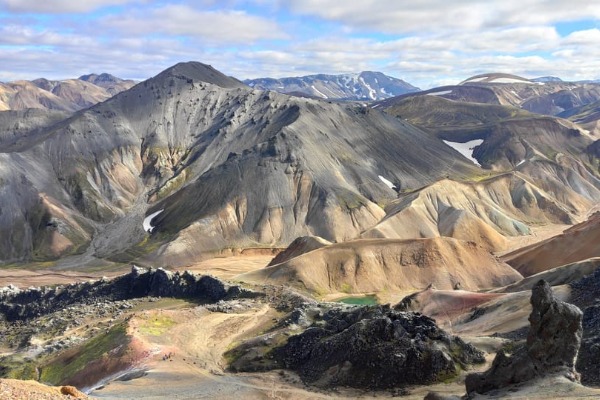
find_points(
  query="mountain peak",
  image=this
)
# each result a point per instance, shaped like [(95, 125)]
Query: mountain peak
[(198, 71), (97, 78)]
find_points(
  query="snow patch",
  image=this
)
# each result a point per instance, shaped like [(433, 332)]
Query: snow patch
[(508, 80), (146, 224), (319, 92), (520, 163), (478, 79), (372, 92), (466, 149), (443, 92), (387, 182)]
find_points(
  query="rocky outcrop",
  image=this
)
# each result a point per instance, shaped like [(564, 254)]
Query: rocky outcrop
[(585, 295), (371, 347), (140, 282), (552, 345)]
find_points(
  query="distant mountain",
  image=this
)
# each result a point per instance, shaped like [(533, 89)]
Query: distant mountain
[(495, 78), (62, 95), (549, 98), (367, 86), (545, 79), (109, 82)]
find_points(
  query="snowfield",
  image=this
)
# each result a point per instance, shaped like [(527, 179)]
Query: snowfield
[(466, 149), (146, 224), (387, 182)]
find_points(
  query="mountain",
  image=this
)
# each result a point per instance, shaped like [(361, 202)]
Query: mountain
[(369, 265), (227, 166), (111, 83), (65, 95), (367, 86), (545, 79), (495, 78), (194, 156), (550, 98), (587, 116), (541, 169)]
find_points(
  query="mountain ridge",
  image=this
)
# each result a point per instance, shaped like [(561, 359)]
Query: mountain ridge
[(366, 85)]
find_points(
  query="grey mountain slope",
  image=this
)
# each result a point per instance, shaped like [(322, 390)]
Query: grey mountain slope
[(509, 135), (174, 135), (367, 85), (587, 116)]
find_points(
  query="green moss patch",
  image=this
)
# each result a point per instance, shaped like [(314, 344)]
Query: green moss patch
[(63, 368)]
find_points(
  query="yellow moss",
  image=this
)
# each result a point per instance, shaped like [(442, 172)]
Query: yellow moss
[(156, 325)]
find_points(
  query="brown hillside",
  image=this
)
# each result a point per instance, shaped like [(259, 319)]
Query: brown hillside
[(388, 264)]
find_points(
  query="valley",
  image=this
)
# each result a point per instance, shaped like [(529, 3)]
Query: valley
[(192, 236)]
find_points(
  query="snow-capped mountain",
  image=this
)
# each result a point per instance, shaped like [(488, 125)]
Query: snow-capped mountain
[(367, 85)]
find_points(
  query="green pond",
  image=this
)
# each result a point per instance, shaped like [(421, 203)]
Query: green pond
[(361, 300)]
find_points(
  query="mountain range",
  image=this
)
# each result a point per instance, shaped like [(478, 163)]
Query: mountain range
[(221, 164), (65, 95), (365, 86), (453, 202)]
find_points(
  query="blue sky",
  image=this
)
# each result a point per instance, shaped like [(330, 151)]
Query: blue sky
[(427, 42)]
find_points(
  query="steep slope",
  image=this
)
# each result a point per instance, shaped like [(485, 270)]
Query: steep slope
[(386, 264), (230, 166), (328, 156), (573, 245), (587, 116), (367, 85), (19, 129)]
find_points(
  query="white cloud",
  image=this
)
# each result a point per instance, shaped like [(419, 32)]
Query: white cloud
[(402, 16), (224, 26), (58, 6), (454, 40)]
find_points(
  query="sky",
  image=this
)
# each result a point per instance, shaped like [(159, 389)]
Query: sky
[(424, 42)]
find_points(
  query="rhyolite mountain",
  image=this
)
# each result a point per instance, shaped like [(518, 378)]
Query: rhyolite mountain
[(229, 165), (367, 85), (63, 95)]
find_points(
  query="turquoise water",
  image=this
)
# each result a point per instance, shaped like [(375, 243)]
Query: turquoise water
[(361, 301)]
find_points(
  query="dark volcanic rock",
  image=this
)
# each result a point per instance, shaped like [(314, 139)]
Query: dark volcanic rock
[(552, 345), (373, 347), (588, 364), (585, 294), (140, 282)]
